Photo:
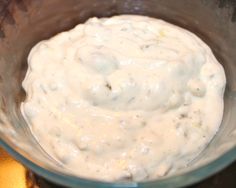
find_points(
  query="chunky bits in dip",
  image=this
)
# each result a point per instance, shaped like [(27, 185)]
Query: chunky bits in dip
[(123, 98)]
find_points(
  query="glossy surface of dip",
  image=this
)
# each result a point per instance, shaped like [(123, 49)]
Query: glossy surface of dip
[(123, 98)]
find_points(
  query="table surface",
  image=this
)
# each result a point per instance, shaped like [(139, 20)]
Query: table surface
[(14, 175)]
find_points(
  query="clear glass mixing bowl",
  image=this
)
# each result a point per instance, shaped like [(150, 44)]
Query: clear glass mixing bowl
[(25, 22)]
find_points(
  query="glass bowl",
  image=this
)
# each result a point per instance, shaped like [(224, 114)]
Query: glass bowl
[(23, 23)]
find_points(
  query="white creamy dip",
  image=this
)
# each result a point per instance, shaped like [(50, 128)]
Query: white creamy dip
[(123, 98)]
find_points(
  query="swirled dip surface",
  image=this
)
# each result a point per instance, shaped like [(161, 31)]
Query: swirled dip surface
[(126, 97)]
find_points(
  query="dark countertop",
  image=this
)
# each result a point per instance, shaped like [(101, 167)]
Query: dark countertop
[(226, 178)]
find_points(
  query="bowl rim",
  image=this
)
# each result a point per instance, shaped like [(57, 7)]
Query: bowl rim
[(185, 179)]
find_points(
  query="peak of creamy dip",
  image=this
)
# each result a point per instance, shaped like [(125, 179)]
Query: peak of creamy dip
[(123, 98)]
